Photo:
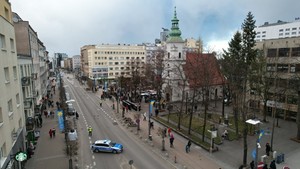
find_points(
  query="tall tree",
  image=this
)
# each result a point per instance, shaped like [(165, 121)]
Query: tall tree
[(250, 55)]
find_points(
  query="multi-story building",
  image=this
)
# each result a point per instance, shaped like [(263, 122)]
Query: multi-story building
[(283, 73), (109, 61), (12, 120), (280, 29), (76, 63)]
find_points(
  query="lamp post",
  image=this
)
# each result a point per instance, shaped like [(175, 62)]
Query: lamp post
[(255, 122)]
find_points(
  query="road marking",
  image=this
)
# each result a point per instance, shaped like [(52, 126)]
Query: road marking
[(94, 163), (93, 157)]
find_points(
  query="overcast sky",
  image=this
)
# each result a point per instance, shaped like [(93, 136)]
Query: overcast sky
[(66, 25)]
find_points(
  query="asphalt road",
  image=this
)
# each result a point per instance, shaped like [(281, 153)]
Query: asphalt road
[(102, 121)]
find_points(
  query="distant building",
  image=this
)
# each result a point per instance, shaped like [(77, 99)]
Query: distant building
[(12, 119), (280, 29), (109, 61), (76, 62)]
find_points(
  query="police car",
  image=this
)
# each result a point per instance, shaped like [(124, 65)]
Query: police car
[(106, 146)]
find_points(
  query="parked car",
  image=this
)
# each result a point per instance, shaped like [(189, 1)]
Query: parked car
[(106, 146), (71, 111)]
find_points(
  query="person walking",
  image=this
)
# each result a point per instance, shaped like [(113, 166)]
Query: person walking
[(171, 140), (77, 115), (169, 131), (252, 164), (268, 149), (188, 146), (145, 116), (50, 133), (53, 132)]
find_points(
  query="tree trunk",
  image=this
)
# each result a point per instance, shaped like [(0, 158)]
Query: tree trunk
[(205, 114), (191, 113), (181, 109), (265, 111)]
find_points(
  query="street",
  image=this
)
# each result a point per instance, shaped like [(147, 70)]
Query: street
[(101, 120)]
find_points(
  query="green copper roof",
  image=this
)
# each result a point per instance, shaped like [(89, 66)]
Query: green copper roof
[(174, 35)]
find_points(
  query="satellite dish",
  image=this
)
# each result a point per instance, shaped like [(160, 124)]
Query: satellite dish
[(15, 19)]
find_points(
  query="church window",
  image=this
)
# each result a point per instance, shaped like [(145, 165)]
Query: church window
[(168, 55), (179, 56)]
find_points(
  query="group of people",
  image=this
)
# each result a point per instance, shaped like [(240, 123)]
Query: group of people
[(49, 114), (272, 164)]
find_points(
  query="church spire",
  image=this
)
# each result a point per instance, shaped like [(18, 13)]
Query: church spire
[(174, 35)]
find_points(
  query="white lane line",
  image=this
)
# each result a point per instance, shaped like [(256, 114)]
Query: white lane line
[(94, 163), (93, 157)]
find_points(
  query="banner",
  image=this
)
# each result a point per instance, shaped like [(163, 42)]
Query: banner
[(253, 154), (150, 107), (260, 135), (60, 116)]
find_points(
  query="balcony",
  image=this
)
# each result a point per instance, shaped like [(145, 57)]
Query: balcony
[(27, 104)]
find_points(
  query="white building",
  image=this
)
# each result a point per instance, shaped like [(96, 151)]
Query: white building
[(12, 120), (107, 61), (173, 61), (76, 62), (277, 30)]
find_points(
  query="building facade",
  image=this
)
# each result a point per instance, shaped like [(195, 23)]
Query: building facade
[(12, 119), (280, 29), (106, 61), (283, 73), (76, 63)]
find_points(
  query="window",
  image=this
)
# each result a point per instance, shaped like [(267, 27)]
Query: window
[(10, 106), (280, 30), (294, 29), (12, 45), (18, 99), (295, 52), (2, 42), (287, 33), (281, 34), (271, 52), (2, 151), (116, 68), (283, 52), (179, 56), (294, 33), (15, 72), (271, 68), (116, 63), (282, 68), (1, 116), (292, 99), (168, 55), (257, 33), (6, 74), (264, 32), (257, 36), (287, 29), (110, 58)]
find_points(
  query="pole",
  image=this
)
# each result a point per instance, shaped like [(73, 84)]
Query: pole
[(149, 129), (256, 149)]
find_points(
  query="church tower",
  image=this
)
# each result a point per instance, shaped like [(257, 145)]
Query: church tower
[(173, 60)]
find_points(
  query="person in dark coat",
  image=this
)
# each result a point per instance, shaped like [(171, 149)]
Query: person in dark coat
[(265, 166), (188, 146), (252, 164), (273, 165), (268, 149)]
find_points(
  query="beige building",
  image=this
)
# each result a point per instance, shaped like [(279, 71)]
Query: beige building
[(108, 61), (12, 120), (283, 67)]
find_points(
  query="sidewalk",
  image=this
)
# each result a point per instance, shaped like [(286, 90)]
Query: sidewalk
[(195, 159), (49, 153)]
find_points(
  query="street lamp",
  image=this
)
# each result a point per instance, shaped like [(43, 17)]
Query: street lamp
[(213, 132), (257, 145)]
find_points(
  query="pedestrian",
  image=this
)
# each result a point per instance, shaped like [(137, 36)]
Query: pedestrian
[(273, 165), (49, 113), (77, 115), (252, 164), (127, 108), (268, 149), (145, 116), (151, 125), (171, 140), (52, 114), (57, 104), (53, 132), (156, 112), (169, 131), (45, 113), (50, 133), (265, 166), (188, 146)]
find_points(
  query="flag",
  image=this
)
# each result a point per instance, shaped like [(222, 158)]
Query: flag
[(260, 135), (253, 154), (150, 106)]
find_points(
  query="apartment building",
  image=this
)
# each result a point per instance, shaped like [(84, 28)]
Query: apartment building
[(283, 67), (280, 29), (107, 61), (76, 62), (12, 120)]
